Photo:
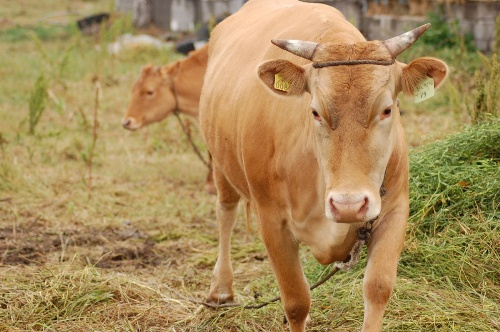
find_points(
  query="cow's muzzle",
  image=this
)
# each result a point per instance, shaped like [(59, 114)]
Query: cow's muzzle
[(351, 208), (130, 124)]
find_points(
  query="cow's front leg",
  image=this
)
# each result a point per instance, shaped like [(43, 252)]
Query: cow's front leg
[(384, 250), (283, 251), (221, 288)]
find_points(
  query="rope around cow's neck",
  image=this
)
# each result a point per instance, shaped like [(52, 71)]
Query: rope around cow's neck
[(364, 233), (177, 112)]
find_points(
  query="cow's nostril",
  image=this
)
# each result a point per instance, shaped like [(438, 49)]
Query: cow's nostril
[(364, 208), (335, 210)]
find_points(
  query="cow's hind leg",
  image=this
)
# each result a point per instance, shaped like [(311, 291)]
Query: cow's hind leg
[(221, 288), (283, 251), (384, 250)]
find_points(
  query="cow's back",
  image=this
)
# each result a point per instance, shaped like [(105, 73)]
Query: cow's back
[(242, 121)]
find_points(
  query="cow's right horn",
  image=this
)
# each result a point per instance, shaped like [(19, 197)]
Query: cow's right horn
[(400, 43), (304, 49)]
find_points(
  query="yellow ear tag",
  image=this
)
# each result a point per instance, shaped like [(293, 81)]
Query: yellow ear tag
[(280, 84), (424, 90)]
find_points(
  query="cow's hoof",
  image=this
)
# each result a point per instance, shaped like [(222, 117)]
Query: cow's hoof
[(309, 321), (218, 299)]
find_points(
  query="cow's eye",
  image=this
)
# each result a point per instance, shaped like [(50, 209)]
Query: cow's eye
[(386, 113), (150, 92), (316, 116)]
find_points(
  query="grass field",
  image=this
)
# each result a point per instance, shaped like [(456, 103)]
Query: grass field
[(102, 229)]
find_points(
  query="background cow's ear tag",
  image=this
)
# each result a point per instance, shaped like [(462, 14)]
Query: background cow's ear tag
[(424, 90), (280, 83)]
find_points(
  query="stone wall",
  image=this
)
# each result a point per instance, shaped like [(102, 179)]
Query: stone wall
[(478, 18), (376, 19), (176, 15), (475, 17), (124, 6)]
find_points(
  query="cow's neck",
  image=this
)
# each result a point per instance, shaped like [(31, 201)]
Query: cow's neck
[(185, 103), (187, 107), (187, 92)]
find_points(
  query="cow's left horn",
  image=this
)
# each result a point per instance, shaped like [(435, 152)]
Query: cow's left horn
[(400, 43), (304, 49)]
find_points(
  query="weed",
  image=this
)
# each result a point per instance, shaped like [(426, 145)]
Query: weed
[(54, 71), (447, 34), (487, 99), (486, 103), (37, 101), (94, 135), (3, 142)]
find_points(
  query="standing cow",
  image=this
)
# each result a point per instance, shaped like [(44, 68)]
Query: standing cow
[(309, 132), (161, 91)]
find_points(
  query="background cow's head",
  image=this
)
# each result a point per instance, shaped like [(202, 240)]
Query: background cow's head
[(153, 97), (354, 89)]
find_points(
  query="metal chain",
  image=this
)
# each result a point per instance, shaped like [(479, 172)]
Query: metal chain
[(190, 139)]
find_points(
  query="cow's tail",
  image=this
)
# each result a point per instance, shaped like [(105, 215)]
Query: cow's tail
[(248, 222)]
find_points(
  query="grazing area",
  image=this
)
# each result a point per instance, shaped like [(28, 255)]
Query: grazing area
[(109, 230)]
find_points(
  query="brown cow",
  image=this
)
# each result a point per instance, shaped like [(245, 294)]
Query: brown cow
[(310, 133), (161, 91)]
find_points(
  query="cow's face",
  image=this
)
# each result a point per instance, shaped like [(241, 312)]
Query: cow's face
[(152, 98), (354, 111)]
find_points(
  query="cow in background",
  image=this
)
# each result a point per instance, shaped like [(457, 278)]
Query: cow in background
[(161, 91), (308, 131)]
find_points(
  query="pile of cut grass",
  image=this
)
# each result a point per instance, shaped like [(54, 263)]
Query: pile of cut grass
[(454, 224), (452, 178)]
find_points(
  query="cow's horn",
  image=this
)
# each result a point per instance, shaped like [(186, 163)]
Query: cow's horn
[(400, 43), (304, 49)]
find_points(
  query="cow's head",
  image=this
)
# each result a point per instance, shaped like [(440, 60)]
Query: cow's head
[(354, 110), (153, 97)]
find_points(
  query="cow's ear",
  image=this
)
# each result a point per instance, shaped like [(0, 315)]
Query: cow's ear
[(283, 77), (170, 70), (420, 68), (147, 69)]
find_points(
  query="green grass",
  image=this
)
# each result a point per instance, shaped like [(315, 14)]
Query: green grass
[(129, 256), (44, 32)]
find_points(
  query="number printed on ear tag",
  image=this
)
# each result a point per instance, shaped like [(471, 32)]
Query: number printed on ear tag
[(280, 84), (424, 90)]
